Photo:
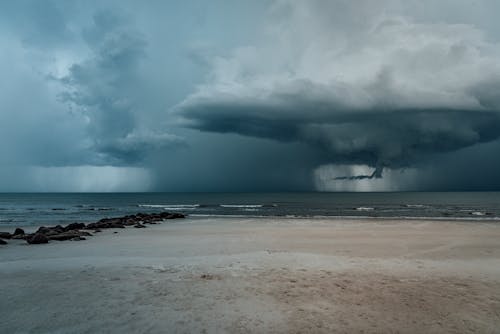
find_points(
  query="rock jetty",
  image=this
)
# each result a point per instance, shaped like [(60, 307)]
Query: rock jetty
[(78, 231)]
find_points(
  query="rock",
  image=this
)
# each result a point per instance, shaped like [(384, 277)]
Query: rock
[(20, 236), (167, 215), (78, 238), (3, 242), (38, 238), (43, 230), (68, 235), (19, 231), (73, 231), (143, 218), (106, 223), (116, 220), (74, 226), (129, 221), (5, 235), (50, 230)]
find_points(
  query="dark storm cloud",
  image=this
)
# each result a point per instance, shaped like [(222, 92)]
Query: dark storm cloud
[(473, 168), (106, 87), (377, 89), (85, 86), (377, 137), (228, 162), (267, 95)]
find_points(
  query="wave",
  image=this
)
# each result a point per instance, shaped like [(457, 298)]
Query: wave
[(171, 206), (194, 206), (416, 206), (382, 218), (478, 213), (364, 208), (252, 206)]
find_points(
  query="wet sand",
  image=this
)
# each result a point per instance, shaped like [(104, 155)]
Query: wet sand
[(260, 275)]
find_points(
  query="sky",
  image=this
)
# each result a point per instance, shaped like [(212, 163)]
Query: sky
[(265, 95)]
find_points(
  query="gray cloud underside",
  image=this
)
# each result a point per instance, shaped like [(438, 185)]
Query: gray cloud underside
[(379, 138)]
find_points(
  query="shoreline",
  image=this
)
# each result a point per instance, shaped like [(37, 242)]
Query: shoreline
[(322, 217), (32, 228), (258, 275)]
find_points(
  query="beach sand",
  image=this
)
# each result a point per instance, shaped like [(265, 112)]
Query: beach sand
[(262, 275)]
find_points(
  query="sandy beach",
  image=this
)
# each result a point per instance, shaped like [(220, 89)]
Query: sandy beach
[(258, 275)]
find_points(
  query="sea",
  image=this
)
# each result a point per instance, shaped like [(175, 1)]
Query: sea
[(36, 209)]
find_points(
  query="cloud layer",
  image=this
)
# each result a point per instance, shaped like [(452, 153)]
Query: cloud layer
[(106, 87), (248, 96), (363, 84)]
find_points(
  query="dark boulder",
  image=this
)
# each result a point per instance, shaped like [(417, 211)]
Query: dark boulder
[(129, 221), (50, 230), (5, 235), (19, 231), (43, 230), (105, 224), (38, 238), (174, 215), (3, 242), (74, 226)]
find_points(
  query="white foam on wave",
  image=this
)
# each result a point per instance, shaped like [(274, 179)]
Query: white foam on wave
[(171, 206), (364, 208), (415, 206), (254, 206), (478, 213)]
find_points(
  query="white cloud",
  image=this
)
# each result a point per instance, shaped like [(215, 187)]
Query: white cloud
[(376, 58)]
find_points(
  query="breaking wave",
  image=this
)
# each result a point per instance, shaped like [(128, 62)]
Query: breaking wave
[(244, 206), (364, 208), (171, 206)]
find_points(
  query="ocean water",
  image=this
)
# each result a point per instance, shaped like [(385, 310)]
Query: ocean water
[(21, 209)]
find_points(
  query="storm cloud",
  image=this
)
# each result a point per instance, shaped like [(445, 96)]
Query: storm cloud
[(248, 96), (365, 85), (106, 88)]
